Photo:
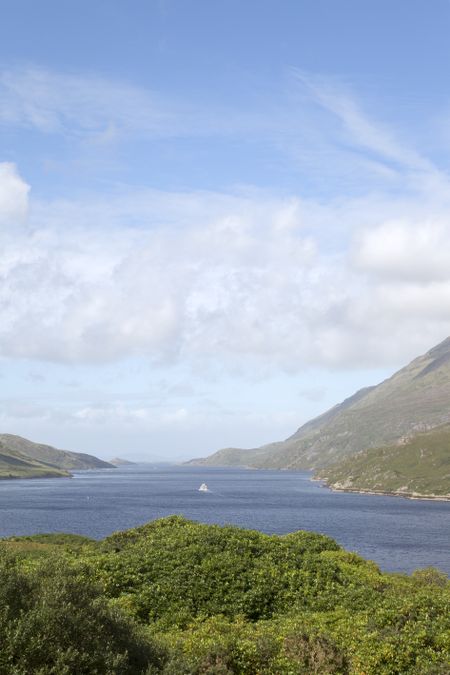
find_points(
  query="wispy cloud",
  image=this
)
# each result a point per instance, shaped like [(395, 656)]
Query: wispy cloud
[(105, 110), (324, 134), (54, 103), (362, 131)]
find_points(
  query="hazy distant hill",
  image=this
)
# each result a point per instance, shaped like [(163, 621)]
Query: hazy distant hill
[(21, 458), (416, 398), (118, 461), (419, 465)]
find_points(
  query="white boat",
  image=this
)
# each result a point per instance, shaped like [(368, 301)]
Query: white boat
[(203, 488)]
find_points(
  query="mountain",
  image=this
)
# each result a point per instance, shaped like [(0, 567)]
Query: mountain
[(15, 465), (118, 461), (415, 399), (21, 458), (417, 466)]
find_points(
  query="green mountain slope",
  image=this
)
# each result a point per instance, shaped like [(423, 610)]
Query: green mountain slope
[(414, 399), (21, 458), (15, 465), (417, 466)]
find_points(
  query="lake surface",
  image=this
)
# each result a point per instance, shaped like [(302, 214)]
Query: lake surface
[(399, 534)]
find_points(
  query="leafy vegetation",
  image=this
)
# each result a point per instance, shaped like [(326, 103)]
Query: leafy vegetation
[(417, 466), (54, 619), (177, 597)]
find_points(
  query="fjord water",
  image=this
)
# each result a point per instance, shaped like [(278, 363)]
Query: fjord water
[(399, 534)]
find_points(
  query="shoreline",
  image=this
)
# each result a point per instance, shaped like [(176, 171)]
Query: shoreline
[(322, 481), (49, 475), (385, 493)]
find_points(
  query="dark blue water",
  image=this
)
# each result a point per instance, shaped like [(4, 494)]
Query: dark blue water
[(399, 534)]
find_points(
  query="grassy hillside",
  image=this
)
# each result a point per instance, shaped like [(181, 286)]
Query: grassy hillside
[(15, 465), (21, 458), (419, 465), (415, 399), (176, 597)]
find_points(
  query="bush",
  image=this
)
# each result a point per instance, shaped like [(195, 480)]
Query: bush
[(54, 621)]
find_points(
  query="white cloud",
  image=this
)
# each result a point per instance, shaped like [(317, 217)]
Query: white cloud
[(120, 414), (78, 293), (13, 195), (241, 279), (406, 250), (244, 281)]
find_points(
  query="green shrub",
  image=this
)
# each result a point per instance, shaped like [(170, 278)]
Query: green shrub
[(180, 598), (54, 620)]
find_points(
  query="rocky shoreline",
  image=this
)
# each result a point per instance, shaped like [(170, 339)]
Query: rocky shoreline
[(386, 493)]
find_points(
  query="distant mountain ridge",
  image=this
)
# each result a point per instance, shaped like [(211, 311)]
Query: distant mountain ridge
[(21, 458), (415, 399), (119, 461)]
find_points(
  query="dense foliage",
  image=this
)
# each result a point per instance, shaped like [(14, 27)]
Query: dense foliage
[(54, 619), (177, 597)]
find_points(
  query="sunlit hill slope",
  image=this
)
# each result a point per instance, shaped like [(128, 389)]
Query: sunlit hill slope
[(415, 399)]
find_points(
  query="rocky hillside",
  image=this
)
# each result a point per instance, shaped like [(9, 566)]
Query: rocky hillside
[(417, 466), (21, 458), (415, 399)]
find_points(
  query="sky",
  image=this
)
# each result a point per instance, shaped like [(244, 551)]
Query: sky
[(217, 219)]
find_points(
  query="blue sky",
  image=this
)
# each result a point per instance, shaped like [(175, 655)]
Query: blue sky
[(217, 219)]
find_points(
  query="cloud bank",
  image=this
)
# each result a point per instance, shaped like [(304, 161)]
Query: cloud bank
[(243, 280), (239, 278)]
